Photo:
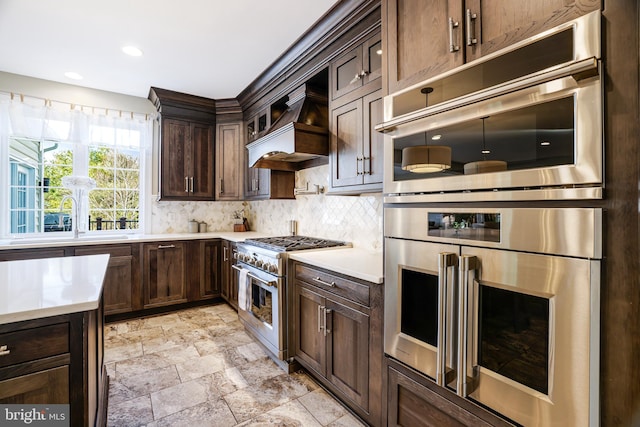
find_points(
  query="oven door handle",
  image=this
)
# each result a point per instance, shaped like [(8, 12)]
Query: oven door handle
[(445, 261), (467, 264), (272, 283)]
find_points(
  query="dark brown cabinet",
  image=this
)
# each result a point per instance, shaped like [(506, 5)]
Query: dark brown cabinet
[(187, 160), (122, 289), (269, 184), (413, 401), (229, 275), (357, 68), (164, 273), (18, 254), (56, 360), (425, 38), (186, 145), (229, 161), (337, 336), (356, 148), (208, 277)]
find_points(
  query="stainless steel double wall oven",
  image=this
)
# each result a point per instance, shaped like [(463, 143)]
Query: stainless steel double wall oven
[(492, 286)]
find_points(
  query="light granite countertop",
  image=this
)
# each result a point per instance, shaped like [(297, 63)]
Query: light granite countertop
[(354, 262), (37, 288)]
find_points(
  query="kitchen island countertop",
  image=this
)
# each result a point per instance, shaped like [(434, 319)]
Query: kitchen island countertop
[(355, 262), (36, 288)]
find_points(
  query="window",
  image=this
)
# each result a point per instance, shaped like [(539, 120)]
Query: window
[(41, 151)]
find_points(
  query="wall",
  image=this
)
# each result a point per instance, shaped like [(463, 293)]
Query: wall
[(356, 219)]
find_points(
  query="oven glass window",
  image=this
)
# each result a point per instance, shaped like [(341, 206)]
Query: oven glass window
[(261, 304), (514, 336), (419, 307), (536, 136)]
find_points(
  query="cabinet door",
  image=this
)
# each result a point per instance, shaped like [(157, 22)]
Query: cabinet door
[(201, 176), (229, 157), (347, 73), (372, 59), (118, 281), (491, 25), (176, 157), (226, 271), (233, 278), (165, 278), (418, 39), (373, 141), (346, 145), (348, 351), (210, 280), (44, 387), (310, 340)]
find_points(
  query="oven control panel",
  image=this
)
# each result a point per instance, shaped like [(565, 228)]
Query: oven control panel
[(258, 261)]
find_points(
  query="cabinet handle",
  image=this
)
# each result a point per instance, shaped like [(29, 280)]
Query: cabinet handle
[(166, 246), (191, 183), (222, 186), (452, 46), (358, 160), (4, 350), (364, 73), (470, 17), (327, 331), (186, 184), (355, 78), (319, 280), (320, 311), (365, 161), (225, 256)]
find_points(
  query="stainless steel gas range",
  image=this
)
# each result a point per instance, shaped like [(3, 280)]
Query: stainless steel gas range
[(261, 266)]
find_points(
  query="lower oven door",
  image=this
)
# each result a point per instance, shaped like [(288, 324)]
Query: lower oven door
[(420, 312), (528, 338), (259, 306)]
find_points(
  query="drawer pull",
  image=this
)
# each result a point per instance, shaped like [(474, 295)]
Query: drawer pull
[(4, 350), (319, 280), (166, 246)]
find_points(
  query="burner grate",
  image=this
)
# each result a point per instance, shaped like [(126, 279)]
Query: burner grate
[(293, 243)]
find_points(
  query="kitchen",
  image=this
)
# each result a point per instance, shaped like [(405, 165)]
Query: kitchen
[(359, 219)]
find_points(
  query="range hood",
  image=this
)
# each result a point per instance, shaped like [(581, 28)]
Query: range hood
[(299, 138)]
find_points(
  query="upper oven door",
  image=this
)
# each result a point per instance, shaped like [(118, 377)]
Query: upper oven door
[(528, 117)]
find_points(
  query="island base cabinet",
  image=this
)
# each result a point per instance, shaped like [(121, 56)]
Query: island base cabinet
[(57, 360)]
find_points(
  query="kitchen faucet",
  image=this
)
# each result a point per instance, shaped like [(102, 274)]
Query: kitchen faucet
[(74, 218)]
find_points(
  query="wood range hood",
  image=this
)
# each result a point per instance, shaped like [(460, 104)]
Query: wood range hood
[(299, 138)]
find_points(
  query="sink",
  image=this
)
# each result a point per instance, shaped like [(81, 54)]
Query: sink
[(54, 240)]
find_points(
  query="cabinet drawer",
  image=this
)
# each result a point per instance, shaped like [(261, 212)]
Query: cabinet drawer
[(335, 284), (114, 251), (33, 344)]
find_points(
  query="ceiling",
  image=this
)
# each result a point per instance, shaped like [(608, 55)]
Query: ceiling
[(210, 48)]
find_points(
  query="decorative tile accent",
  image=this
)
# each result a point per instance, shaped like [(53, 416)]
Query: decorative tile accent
[(357, 219)]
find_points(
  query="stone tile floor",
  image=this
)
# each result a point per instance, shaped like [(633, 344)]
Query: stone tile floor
[(198, 367)]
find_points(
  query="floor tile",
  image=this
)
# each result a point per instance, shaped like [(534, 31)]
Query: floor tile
[(199, 367)]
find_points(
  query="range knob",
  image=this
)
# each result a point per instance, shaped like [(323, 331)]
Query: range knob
[(258, 263), (239, 256), (272, 268)]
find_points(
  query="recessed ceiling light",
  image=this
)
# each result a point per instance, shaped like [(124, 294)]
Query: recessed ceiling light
[(132, 51), (436, 137), (73, 75)]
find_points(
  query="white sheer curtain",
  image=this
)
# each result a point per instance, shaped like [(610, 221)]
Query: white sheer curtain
[(45, 120), (40, 119)]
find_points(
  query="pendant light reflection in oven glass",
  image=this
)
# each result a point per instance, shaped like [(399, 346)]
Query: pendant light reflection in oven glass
[(426, 158), (484, 165)]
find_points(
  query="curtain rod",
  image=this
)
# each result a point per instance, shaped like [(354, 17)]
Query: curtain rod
[(48, 103)]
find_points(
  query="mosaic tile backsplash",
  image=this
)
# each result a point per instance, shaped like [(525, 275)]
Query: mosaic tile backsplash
[(356, 219)]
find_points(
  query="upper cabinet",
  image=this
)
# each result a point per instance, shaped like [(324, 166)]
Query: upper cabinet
[(356, 108), (357, 68), (229, 160), (186, 145), (424, 38)]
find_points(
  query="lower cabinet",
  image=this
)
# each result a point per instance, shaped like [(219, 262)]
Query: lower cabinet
[(208, 280), (415, 401), (229, 275), (164, 273), (122, 288), (57, 360), (337, 336)]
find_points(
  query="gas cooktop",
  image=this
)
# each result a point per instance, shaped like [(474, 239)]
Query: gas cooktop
[(293, 243)]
